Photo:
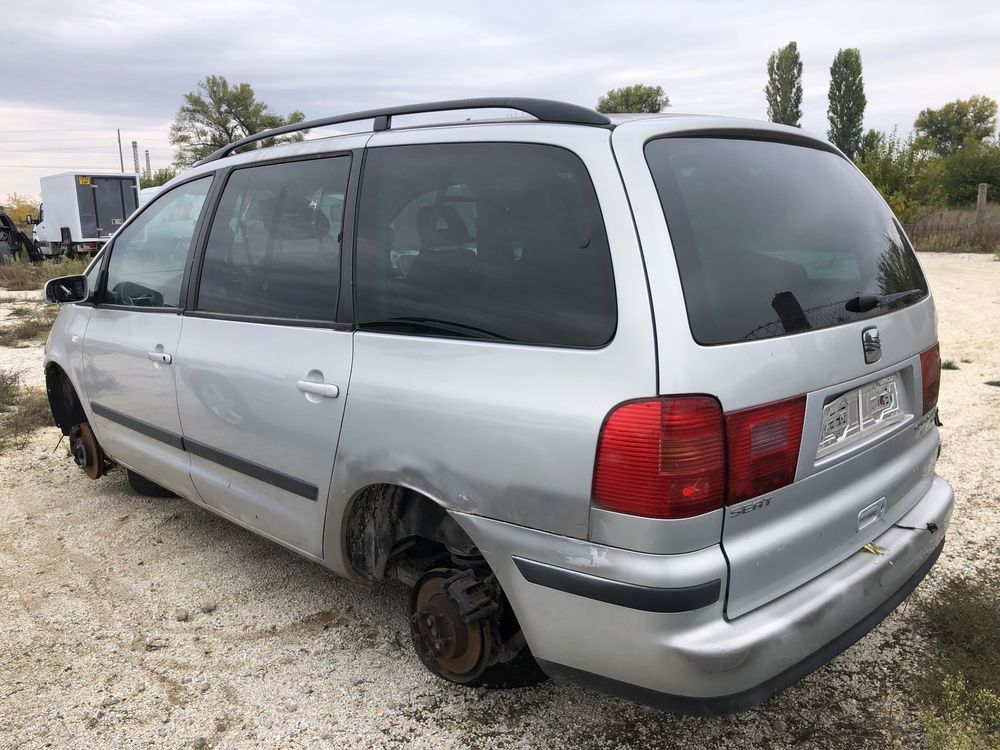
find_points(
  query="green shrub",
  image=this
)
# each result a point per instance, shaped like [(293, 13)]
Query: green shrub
[(962, 171)]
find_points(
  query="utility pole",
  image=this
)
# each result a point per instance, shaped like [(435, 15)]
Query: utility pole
[(121, 159)]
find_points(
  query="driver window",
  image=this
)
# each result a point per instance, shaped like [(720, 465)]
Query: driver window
[(148, 258)]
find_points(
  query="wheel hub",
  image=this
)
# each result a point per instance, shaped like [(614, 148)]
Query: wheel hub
[(447, 643), (441, 627), (86, 451)]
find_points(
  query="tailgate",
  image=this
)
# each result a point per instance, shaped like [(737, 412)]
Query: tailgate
[(778, 275)]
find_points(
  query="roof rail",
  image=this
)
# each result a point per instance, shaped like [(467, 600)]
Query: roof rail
[(545, 110)]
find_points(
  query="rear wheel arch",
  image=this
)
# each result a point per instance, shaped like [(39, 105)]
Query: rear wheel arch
[(388, 522)]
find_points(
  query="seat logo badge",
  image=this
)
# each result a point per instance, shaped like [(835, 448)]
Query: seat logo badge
[(872, 345)]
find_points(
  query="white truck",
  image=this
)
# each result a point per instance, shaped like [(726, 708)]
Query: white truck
[(80, 210)]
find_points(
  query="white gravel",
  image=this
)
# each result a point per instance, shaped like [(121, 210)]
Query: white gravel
[(94, 652)]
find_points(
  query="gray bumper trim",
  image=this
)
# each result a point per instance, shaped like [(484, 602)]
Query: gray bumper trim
[(741, 701), (631, 595)]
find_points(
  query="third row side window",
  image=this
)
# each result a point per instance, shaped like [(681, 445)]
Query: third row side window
[(490, 241)]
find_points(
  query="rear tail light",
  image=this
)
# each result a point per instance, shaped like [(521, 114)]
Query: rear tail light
[(670, 457), (662, 458), (763, 447), (930, 376)]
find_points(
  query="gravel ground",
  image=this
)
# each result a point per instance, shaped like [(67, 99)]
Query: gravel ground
[(130, 622)]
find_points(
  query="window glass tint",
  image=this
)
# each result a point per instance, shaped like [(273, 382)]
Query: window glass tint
[(489, 241), (147, 261), (274, 246), (773, 239)]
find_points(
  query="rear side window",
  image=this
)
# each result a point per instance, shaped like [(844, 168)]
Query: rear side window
[(490, 241), (274, 246), (773, 238)]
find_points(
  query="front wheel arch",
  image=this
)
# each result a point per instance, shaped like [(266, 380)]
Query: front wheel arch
[(67, 409)]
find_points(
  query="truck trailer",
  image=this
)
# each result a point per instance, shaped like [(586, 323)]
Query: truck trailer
[(80, 210)]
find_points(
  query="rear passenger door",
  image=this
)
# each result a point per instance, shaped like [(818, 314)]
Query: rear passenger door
[(263, 363)]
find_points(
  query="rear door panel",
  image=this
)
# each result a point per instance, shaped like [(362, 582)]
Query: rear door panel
[(261, 449)]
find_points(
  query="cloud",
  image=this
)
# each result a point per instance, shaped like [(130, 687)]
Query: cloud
[(91, 68)]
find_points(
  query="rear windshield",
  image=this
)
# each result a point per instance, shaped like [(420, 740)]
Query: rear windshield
[(773, 239)]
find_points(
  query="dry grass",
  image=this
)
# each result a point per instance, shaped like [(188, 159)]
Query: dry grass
[(30, 328), (22, 410), (23, 276), (956, 230)]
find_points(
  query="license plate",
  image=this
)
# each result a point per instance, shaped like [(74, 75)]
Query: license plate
[(859, 413)]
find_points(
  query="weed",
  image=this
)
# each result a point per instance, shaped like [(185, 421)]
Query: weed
[(949, 364), (965, 361), (29, 414), (963, 687), (995, 383), (10, 384), (964, 719), (22, 410)]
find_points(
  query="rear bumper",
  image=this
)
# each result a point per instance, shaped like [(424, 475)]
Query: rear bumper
[(632, 632)]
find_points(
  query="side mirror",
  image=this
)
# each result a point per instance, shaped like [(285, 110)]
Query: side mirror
[(29, 219), (66, 289)]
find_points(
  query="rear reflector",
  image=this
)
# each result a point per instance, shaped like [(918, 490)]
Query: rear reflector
[(930, 376), (763, 447), (662, 458)]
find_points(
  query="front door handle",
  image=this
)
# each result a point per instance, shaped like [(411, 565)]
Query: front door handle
[(326, 390), (160, 357)]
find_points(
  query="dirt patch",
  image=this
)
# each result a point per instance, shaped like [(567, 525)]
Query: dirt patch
[(92, 654)]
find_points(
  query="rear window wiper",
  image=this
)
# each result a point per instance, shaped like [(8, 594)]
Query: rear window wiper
[(865, 302), (403, 324)]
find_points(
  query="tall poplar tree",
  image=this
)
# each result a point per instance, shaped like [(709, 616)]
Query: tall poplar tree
[(846, 110), (784, 85)]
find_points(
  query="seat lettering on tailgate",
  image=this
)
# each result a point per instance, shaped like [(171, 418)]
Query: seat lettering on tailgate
[(742, 510)]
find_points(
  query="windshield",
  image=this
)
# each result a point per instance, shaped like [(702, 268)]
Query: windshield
[(773, 238)]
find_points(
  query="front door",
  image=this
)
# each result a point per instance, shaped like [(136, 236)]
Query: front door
[(131, 340), (262, 367)]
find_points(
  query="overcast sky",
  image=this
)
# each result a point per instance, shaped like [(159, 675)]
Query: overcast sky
[(77, 71)]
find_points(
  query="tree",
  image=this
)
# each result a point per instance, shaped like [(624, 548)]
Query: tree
[(19, 207), (160, 177), (637, 98), (784, 85), (956, 124), (217, 114), (872, 139), (846, 110)]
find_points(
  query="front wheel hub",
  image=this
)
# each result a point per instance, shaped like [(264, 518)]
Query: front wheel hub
[(86, 451)]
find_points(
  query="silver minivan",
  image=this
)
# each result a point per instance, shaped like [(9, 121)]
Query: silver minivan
[(643, 402)]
